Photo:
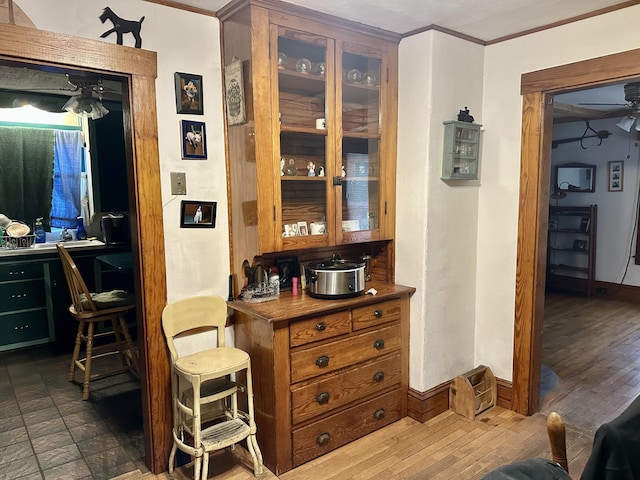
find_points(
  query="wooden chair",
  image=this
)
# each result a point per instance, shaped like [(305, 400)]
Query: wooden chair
[(205, 405), (616, 446), (88, 309)]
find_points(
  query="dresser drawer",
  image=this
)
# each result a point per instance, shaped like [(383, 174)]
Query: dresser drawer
[(377, 314), (319, 328), (20, 271), (339, 429), (322, 396), (23, 326), (22, 295), (333, 356)]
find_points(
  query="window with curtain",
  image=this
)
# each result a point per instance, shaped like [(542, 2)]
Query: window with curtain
[(41, 173)]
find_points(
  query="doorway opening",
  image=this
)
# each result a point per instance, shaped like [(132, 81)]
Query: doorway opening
[(538, 89)]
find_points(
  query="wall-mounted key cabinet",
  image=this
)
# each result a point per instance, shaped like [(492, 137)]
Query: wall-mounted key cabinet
[(461, 150), (314, 165)]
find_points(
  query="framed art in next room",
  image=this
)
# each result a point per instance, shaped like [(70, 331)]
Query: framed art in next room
[(616, 175)]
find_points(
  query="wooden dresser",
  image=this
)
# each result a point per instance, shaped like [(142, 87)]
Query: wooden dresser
[(325, 372)]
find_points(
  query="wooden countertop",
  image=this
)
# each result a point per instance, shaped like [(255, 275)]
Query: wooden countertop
[(288, 307)]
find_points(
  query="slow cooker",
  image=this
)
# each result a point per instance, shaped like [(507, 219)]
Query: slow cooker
[(335, 278)]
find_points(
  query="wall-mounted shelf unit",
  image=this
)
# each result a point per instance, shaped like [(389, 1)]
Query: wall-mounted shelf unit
[(461, 149), (571, 249)]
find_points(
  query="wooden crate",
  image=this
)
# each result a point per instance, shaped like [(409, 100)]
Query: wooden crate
[(473, 392)]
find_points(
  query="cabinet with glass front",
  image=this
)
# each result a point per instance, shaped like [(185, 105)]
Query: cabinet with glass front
[(315, 164), (461, 149)]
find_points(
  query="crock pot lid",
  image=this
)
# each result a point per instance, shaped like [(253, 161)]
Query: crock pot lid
[(335, 265)]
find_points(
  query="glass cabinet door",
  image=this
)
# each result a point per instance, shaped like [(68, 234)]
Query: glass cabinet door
[(359, 209), (303, 126)]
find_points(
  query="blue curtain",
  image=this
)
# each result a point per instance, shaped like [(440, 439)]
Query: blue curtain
[(67, 172)]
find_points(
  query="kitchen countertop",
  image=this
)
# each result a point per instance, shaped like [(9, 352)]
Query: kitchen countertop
[(42, 249), (288, 306)]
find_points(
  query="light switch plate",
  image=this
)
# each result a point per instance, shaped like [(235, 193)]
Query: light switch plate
[(178, 183)]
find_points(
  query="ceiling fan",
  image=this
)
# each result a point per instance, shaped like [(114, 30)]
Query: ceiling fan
[(89, 102), (631, 109), (86, 90)]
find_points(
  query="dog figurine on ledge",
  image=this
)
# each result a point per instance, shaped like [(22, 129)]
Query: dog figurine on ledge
[(122, 26)]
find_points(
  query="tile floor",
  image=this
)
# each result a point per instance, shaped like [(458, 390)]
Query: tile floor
[(48, 432)]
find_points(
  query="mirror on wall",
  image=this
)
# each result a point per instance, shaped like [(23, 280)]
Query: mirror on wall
[(576, 177)]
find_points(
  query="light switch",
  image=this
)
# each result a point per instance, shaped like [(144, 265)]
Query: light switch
[(178, 183)]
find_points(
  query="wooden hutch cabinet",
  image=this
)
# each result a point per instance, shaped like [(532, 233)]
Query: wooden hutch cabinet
[(314, 164), (312, 173)]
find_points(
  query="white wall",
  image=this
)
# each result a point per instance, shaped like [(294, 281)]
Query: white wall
[(487, 238), (197, 260), (436, 221), (498, 207), (616, 222)]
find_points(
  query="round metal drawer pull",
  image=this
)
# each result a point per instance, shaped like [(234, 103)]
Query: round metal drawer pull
[(321, 326), (379, 414), (323, 439), (322, 361), (323, 398), (378, 344), (377, 314), (378, 377)]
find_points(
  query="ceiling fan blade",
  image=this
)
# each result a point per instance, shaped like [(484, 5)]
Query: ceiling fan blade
[(606, 104)]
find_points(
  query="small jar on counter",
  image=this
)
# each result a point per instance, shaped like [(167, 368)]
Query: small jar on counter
[(274, 280)]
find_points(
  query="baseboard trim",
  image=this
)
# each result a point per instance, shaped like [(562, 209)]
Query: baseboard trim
[(615, 291), (423, 406)]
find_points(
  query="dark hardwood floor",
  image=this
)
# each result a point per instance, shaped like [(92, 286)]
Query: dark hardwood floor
[(591, 353), (591, 357)]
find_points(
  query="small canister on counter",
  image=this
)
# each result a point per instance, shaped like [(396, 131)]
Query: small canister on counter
[(274, 280)]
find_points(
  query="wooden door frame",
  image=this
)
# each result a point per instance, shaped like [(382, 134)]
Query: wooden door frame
[(537, 89), (34, 46)]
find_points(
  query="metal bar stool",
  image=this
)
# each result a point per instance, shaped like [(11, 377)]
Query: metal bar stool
[(204, 397)]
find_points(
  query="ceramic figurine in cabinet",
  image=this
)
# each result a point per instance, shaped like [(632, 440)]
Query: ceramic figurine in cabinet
[(311, 168)]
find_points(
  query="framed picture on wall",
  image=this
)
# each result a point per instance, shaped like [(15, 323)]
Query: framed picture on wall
[(197, 214), (616, 175), (188, 93), (194, 140), (234, 93)]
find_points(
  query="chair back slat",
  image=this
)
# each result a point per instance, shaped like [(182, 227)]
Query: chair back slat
[(77, 286), (192, 314)]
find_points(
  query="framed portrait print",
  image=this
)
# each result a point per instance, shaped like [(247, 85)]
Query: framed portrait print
[(616, 175), (188, 93), (196, 214), (234, 93), (194, 140)]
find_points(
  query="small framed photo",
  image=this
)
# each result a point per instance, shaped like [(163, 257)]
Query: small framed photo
[(188, 93), (194, 140), (287, 269), (616, 175), (579, 244), (302, 229), (291, 230), (584, 224), (195, 214)]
